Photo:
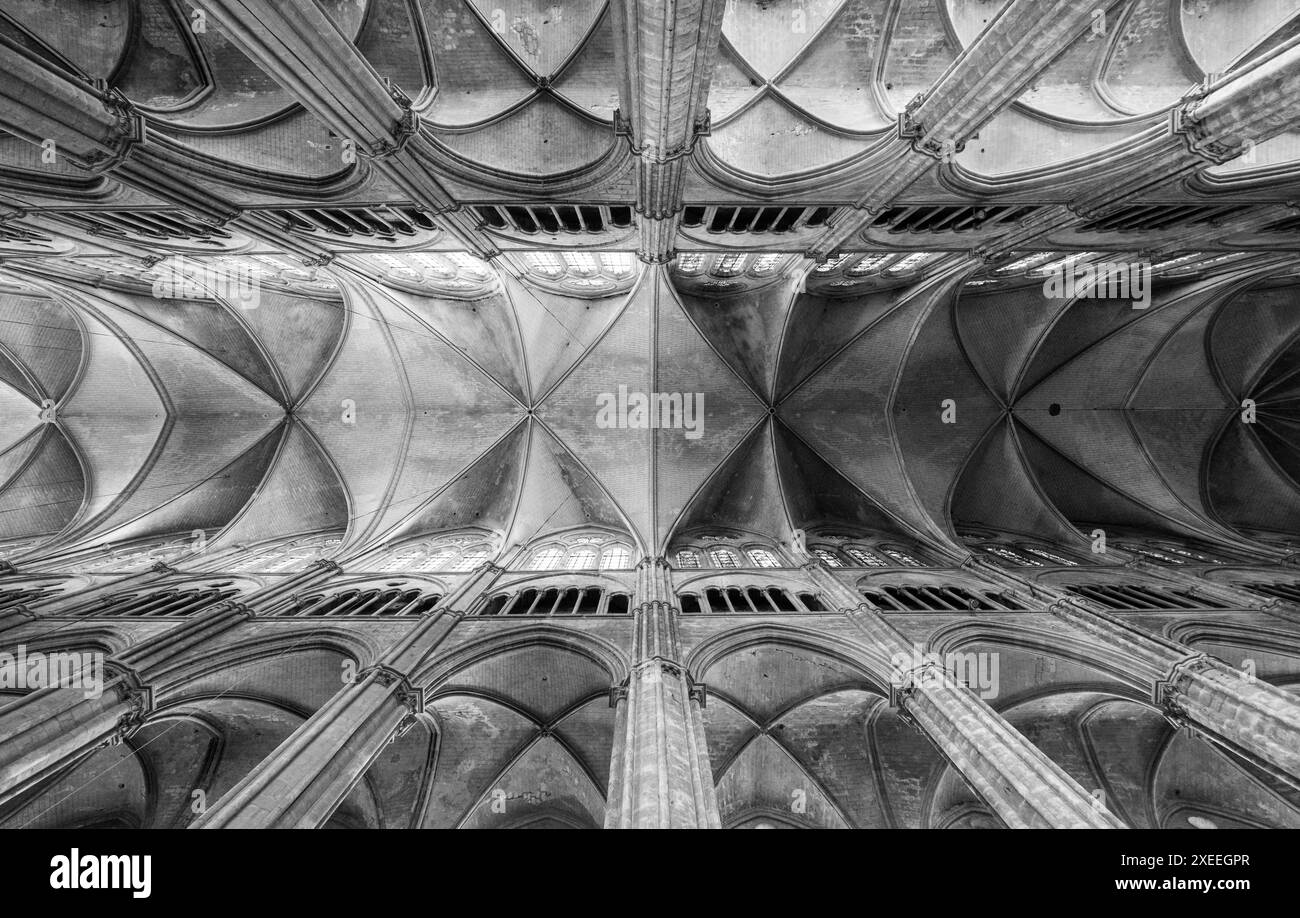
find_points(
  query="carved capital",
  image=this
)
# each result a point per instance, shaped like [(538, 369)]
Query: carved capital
[(912, 129), (1185, 122), (656, 258), (407, 127), (407, 694), (127, 131), (1165, 692), (138, 697), (909, 124)]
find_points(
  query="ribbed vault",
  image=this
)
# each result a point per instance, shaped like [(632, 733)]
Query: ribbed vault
[(397, 416)]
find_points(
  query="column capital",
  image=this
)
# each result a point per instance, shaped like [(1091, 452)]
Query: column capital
[(126, 133), (1164, 693), (1187, 121), (386, 676), (136, 694), (326, 565), (407, 126), (911, 128)]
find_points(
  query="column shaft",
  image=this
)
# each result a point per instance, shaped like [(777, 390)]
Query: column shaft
[(304, 780), (1021, 784), (1229, 706), (660, 776), (51, 728)]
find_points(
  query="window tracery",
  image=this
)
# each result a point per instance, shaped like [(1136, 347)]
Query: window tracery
[(581, 552), (290, 555), (456, 553)]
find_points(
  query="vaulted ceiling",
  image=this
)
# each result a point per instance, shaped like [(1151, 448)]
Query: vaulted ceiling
[(441, 301), (388, 414)]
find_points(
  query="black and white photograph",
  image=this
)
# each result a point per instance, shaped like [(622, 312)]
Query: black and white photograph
[(650, 414)]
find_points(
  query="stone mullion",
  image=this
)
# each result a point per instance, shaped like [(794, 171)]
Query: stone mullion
[(1234, 596), (1024, 787), (660, 775), (22, 613)]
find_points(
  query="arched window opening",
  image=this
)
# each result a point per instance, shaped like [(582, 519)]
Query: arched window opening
[(615, 558), (901, 557), (450, 553), (581, 552), (156, 604), (744, 600), (582, 559), (782, 600), (828, 557), (295, 554), (1011, 556), (811, 602), (369, 603), (688, 559), (524, 603), (1152, 554), (1053, 557), (1187, 553), (761, 557), (470, 559), (724, 557), (864, 557), (1287, 592), (939, 598), (442, 560), (547, 559), (572, 600), (402, 561), (1141, 596)]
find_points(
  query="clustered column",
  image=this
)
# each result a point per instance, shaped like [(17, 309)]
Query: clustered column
[(660, 776), (1021, 784), (303, 781), (1231, 707), (49, 729)]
